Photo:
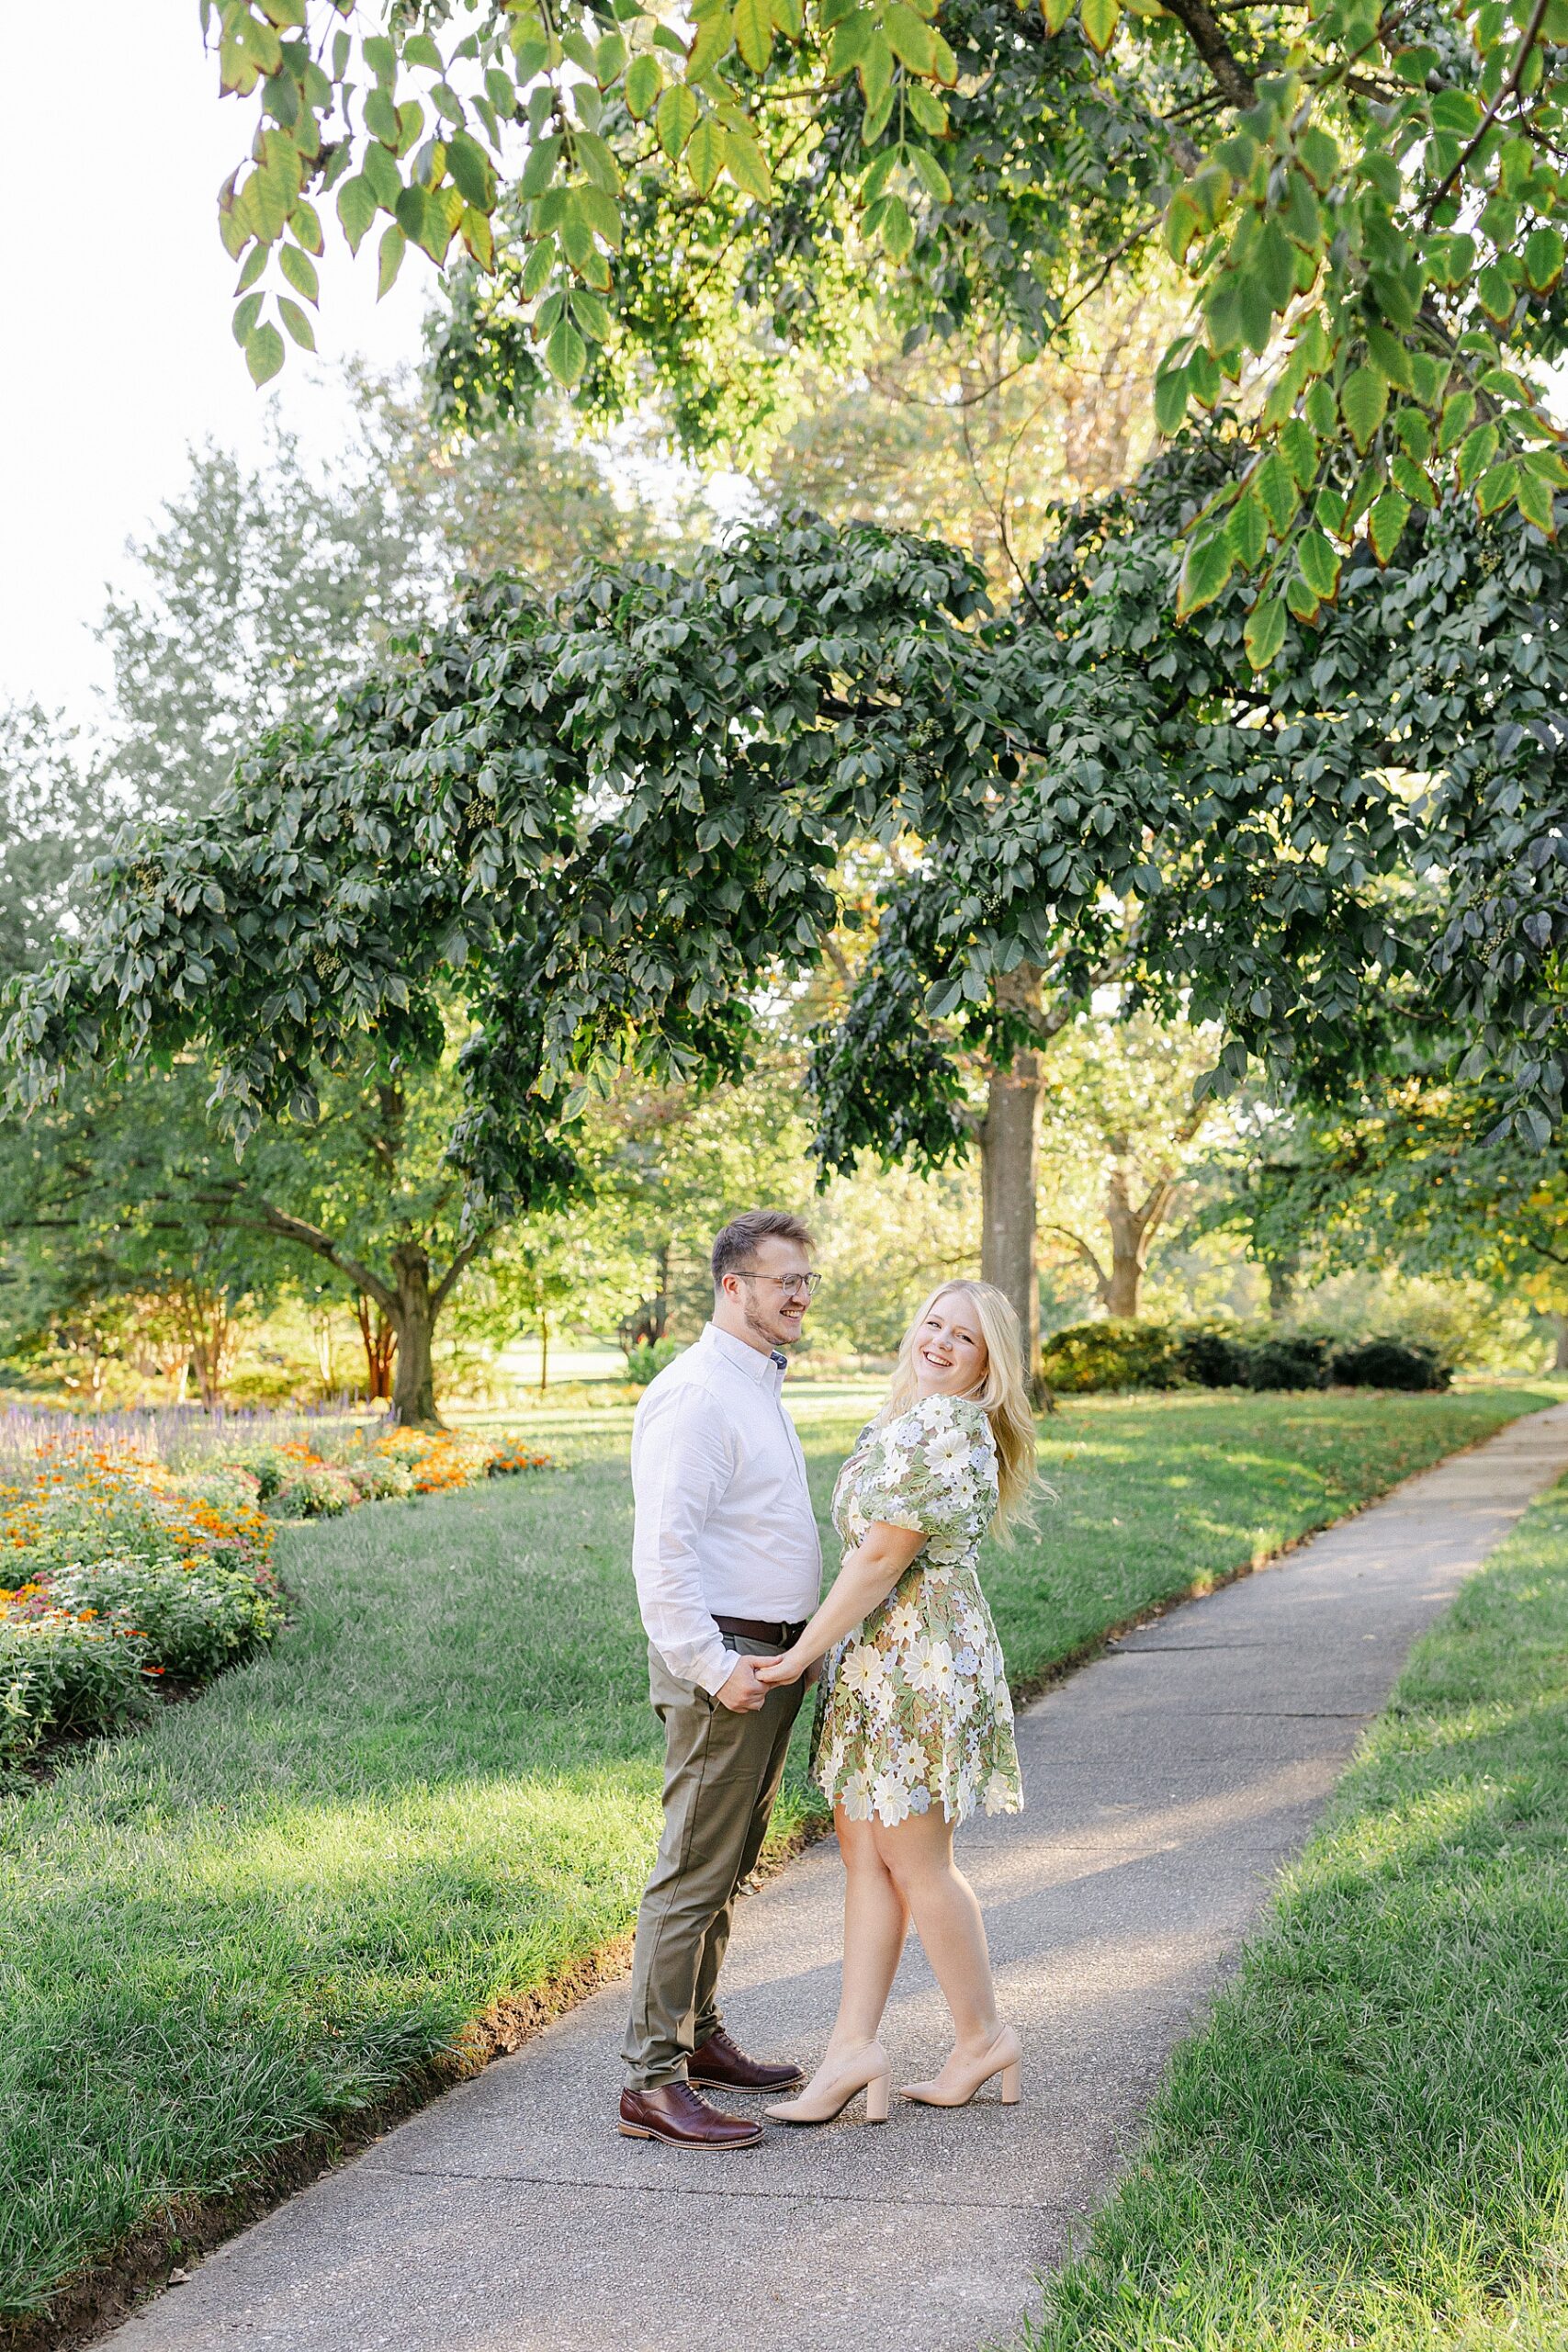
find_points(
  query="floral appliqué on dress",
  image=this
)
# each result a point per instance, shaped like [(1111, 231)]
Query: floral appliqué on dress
[(913, 1709)]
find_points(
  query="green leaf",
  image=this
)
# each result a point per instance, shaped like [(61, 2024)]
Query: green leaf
[(1543, 258), (300, 272), (1495, 292), (246, 313), (1318, 157), (644, 79), (1318, 563), (305, 223), (676, 119), (1536, 503), (705, 154), (754, 32), (1301, 600), (1276, 487), (744, 162), (1496, 487), (471, 174), (1455, 421), (1385, 523), (1100, 19), (1208, 566), (1297, 447), (1170, 399), (393, 246), (255, 262), (909, 37), (712, 40), (929, 174), (1056, 13), (566, 354), (1182, 223), (1265, 631), (1321, 413), (1248, 530), (537, 267), (898, 229), (380, 118), (420, 49), (1476, 454), (296, 321), (1412, 479), (263, 354), (1363, 401), (381, 177)]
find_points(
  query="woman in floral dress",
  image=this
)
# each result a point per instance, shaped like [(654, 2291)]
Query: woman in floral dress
[(914, 1725)]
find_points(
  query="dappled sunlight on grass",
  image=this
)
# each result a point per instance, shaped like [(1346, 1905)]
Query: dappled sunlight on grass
[(1368, 2146), (441, 1790)]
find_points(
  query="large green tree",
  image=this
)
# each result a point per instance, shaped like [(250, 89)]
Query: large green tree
[(1370, 200), (598, 826)]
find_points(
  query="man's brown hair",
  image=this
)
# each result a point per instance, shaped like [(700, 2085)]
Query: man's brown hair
[(734, 1247)]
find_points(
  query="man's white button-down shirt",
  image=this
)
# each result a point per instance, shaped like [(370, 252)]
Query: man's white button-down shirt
[(723, 1521)]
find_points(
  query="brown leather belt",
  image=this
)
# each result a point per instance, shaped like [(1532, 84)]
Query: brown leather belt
[(751, 1629)]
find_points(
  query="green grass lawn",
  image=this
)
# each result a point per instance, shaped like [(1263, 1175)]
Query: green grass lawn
[(440, 1791), (1368, 2146)]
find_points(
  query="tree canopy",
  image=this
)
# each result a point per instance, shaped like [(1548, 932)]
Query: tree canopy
[(600, 827), (1369, 203)]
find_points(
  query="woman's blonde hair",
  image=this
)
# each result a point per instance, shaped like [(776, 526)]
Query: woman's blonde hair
[(1002, 1396)]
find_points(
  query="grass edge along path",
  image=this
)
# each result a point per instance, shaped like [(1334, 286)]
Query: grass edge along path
[(1368, 2145), (247, 1940)]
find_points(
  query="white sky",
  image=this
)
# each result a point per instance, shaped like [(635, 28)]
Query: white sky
[(115, 292)]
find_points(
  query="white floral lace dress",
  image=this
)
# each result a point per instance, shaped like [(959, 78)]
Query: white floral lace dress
[(913, 1709)]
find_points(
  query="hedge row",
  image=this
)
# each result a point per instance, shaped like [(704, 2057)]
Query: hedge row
[(1092, 1357)]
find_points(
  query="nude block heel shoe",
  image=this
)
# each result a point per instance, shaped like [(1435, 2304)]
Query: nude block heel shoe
[(869, 2073), (1005, 2057)]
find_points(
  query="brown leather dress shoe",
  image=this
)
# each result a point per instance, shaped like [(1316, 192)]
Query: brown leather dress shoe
[(675, 2112), (723, 2066)]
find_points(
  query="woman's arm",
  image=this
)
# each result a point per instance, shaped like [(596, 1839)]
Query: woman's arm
[(868, 1575)]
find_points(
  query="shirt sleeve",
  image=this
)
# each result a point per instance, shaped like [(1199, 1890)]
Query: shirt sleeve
[(923, 1469), (681, 1466)]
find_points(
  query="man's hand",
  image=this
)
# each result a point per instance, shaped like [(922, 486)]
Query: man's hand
[(745, 1691)]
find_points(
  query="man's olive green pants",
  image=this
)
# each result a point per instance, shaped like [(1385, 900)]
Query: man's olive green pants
[(721, 1775)]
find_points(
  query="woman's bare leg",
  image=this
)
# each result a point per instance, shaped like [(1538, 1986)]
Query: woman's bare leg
[(918, 1855), (874, 1926), (876, 1922)]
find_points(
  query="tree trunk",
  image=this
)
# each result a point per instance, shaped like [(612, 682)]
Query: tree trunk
[(1010, 1179), (381, 1346), (544, 1352), (1281, 1273), (413, 1387), (1559, 1353), (1127, 1237)]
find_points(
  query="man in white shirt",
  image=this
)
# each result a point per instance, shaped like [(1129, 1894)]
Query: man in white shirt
[(728, 1569)]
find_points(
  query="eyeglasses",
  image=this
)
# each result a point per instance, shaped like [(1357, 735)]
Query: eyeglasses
[(792, 1286)]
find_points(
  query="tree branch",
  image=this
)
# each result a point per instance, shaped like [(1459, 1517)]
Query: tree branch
[(1509, 89), (1231, 77), (1076, 1243), (311, 1237), (460, 1263)]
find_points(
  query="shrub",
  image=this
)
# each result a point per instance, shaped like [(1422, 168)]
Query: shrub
[(1088, 1358), (267, 1465), (1213, 1356), (508, 1459), (1389, 1363), (376, 1474), (314, 1489), (194, 1616), (60, 1672), (650, 1358), (1294, 1360)]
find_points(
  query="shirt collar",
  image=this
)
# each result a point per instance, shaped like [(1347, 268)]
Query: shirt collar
[(751, 1361)]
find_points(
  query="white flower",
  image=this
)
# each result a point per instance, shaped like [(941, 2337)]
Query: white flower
[(930, 1667), (903, 1621), (999, 1793), (966, 1699), (948, 1453), (860, 1667), (890, 1800)]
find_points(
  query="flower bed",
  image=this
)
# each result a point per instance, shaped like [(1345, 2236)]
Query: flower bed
[(117, 1571), (124, 1573)]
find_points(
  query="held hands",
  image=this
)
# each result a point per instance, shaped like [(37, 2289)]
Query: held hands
[(745, 1691), (788, 1666)]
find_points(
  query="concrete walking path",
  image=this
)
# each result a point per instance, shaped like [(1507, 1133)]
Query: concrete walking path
[(1165, 1784)]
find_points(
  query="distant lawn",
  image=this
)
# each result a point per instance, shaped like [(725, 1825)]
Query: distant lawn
[(440, 1791), (1368, 2146)]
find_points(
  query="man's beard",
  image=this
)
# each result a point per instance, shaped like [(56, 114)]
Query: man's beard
[(755, 1324)]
